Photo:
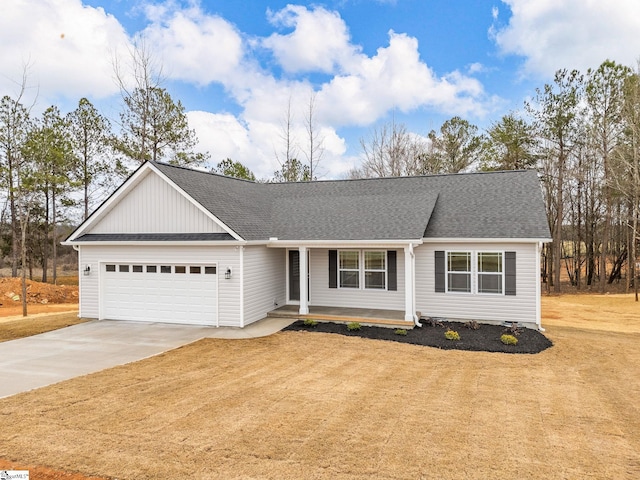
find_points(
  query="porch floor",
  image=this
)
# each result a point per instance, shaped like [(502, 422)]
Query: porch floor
[(368, 316)]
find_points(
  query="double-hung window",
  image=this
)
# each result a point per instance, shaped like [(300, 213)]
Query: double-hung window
[(490, 278), (349, 265), (375, 270), (362, 267), (459, 272), (475, 272)]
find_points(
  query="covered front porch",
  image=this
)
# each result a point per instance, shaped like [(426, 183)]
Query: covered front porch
[(366, 316), (366, 282)]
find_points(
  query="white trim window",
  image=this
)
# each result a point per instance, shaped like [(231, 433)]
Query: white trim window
[(475, 272), (375, 270), (349, 268), (490, 273), (365, 269), (459, 272)]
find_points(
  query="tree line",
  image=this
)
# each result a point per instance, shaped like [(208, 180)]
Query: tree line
[(54, 164), (581, 131)]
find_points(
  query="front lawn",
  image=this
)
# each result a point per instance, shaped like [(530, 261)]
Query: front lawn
[(25, 327), (310, 405)]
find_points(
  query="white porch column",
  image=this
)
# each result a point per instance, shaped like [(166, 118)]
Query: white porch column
[(304, 269), (408, 284)]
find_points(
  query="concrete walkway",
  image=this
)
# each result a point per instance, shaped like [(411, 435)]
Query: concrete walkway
[(52, 357)]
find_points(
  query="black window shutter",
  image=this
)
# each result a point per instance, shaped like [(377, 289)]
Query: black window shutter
[(392, 270), (333, 269), (510, 273), (439, 271)]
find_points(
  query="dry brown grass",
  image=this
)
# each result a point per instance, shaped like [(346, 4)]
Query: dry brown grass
[(12, 328), (306, 405), (609, 312)]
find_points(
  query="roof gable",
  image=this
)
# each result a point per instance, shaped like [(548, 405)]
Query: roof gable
[(148, 203)]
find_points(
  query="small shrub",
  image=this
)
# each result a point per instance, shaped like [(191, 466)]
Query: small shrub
[(452, 335), (513, 329), (508, 339), (310, 322), (472, 325), (434, 322), (353, 326), (400, 331)]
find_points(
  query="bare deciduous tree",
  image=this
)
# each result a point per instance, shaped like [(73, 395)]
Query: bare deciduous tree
[(604, 96), (391, 151), (626, 167), (315, 142)]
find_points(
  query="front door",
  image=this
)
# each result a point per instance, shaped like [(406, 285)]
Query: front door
[(294, 276)]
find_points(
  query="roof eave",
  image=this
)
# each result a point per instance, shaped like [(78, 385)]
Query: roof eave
[(276, 243), (486, 240), (184, 243)]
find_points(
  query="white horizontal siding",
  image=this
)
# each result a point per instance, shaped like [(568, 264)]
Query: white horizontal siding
[(154, 206), (264, 281), (490, 308), (223, 257), (88, 285), (322, 295)]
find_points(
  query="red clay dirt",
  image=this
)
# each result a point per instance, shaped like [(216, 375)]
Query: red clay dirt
[(41, 297)]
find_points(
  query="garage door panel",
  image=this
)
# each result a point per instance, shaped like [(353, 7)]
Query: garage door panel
[(136, 292)]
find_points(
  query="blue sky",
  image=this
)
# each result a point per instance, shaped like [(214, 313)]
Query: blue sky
[(235, 65)]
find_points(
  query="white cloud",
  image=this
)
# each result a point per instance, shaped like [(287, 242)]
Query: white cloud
[(195, 47), (553, 34), (476, 67), (256, 143), (70, 47), (366, 89), (396, 77), (320, 40), (221, 134), (67, 45)]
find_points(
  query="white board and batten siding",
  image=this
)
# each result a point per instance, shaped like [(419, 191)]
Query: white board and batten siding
[(264, 279), (322, 295), (96, 257), (154, 206), (521, 308)]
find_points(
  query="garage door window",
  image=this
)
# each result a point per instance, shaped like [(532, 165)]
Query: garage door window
[(175, 269)]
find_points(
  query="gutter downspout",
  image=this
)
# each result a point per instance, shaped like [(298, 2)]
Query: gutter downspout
[(538, 289), (416, 320)]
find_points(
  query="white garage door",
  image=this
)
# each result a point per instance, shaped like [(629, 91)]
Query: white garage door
[(170, 293)]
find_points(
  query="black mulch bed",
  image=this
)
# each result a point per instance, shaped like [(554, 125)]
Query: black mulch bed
[(484, 339)]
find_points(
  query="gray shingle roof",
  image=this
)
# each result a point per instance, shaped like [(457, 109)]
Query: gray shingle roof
[(475, 205)]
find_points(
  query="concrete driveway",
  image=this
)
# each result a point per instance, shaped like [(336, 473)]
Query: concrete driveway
[(52, 357)]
